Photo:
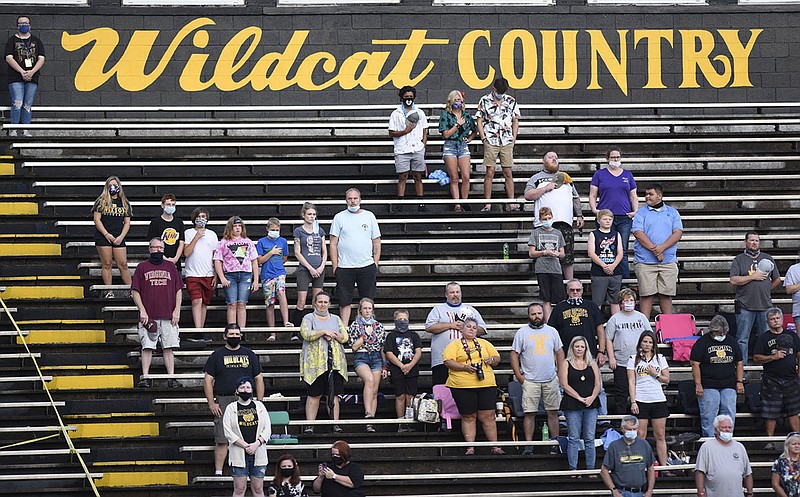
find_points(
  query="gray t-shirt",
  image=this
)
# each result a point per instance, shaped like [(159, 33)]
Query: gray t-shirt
[(755, 295), (445, 313), (725, 467), (625, 331), (310, 245), (355, 232), (537, 350), (793, 278), (542, 239), (628, 463)]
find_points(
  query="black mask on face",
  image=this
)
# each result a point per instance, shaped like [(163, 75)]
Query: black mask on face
[(401, 325), (245, 396), (337, 460), (157, 257), (233, 342), (287, 472), (536, 323)]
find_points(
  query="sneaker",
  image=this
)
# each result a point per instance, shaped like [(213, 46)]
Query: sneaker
[(770, 446), (528, 451), (295, 338), (172, 383), (12, 133), (309, 430), (109, 295), (422, 208), (144, 383), (337, 429), (370, 429), (497, 451), (555, 450), (27, 134), (271, 338)]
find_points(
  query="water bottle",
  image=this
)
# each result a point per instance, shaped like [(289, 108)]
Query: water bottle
[(505, 251), (545, 432)]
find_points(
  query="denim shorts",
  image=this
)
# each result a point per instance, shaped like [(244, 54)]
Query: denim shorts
[(239, 290), (371, 359), (250, 468), (455, 149)]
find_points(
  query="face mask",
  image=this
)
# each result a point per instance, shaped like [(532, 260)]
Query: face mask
[(273, 234), (337, 460), (499, 96), (323, 314), (575, 300), (368, 322), (658, 205), (113, 189), (752, 253), (547, 224), (169, 210), (628, 305), (233, 342), (353, 208), (401, 325), (631, 434), (719, 338), (726, 436), (409, 102), (457, 105), (201, 222), (287, 472), (536, 323), (315, 226), (245, 396), (24, 29), (614, 164), (157, 257)]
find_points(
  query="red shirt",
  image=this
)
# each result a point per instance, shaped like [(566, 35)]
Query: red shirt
[(157, 285)]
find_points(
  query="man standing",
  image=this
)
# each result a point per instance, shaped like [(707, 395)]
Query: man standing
[(355, 252), (223, 367), (535, 352), (556, 191), (408, 127), (199, 251), (723, 466), (628, 464), (25, 57), (779, 351), (791, 284), (169, 229), (577, 316), (657, 229), (754, 275), (156, 290), (444, 323), (717, 372), (498, 124)]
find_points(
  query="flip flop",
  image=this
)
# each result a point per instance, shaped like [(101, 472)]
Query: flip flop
[(470, 451), (486, 208)]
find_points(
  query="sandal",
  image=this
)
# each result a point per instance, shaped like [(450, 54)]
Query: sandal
[(470, 451), (512, 208), (486, 208), (458, 209), (497, 451)]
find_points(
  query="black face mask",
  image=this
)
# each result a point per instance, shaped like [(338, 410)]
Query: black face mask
[(233, 342), (536, 324), (401, 325), (287, 472), (157, 257), (245, 396), (337, 460)]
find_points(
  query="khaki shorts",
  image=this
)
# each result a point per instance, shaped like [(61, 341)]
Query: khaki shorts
[(657, 279), (167, 335), (533, 392), (505, 152), (219, 428)]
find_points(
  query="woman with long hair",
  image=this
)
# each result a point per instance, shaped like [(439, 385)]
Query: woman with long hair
[(286, 482), (458, 129), (112, 219), (366, 340), (786, 469)]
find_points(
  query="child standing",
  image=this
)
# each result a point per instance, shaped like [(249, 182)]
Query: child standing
[(403, 349), (605, 251), (273, 251), (547, 248)]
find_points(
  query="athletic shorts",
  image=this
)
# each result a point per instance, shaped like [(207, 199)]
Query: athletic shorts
[(272, 287), (472, 400), (199, 287)]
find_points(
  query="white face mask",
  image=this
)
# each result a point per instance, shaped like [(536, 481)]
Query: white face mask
[(273, 234), (631, 434), (628, 305), (169, 210), (726, 436), (719, 338), (353, 208), (614, 164)]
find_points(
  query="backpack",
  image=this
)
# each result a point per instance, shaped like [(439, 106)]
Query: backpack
[(426, 410)]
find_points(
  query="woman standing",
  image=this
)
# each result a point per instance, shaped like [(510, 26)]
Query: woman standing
[(366, 337), (112, 219), (323, 365), (786, 469), (341, 477), (647, 371), (580, 378), (247, 427), (236, 265), (472, 383), (286, 482), (312, 254), (616, 190), (458, 129)]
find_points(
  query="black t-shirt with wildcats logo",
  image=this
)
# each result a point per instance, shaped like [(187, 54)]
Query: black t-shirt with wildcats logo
[(247, 417), (227, 366), (769, 343), (170, 232), (717, 361)]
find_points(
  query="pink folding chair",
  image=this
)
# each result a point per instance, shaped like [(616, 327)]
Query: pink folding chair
[(449, 411), (670, 326)]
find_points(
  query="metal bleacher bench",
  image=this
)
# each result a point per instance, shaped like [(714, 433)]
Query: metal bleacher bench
[(278, 419)]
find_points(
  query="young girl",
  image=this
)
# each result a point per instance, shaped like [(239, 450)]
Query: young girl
[(112, 217), (236, 265), (312, 254), (287, 479), (366, 339)]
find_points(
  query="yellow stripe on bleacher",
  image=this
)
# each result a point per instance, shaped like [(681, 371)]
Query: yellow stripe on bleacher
[(29, 249), (19, 208), (65, 336), (29, 235), (110, 415), (41, 278), (7, 169), (91, 382), (43, 292), (35, 322), (143, 478), (138, 463), (17, 195), (115, 430), (80, 367)]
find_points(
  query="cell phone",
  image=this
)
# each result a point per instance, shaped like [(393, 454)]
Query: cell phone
[(324, 465)]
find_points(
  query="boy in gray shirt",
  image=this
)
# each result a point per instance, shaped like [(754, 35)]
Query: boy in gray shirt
[(547, 249)]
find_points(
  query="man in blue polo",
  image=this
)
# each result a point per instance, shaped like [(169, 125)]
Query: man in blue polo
[(657, 229)]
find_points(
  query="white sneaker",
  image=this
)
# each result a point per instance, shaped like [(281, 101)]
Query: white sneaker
[(27, 134), (12, 133)]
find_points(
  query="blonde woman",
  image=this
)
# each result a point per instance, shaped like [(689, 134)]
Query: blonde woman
[(112, 220), (236, 265), (458, 129)]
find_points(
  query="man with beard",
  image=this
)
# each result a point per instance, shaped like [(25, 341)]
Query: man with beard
[(534, 352)]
